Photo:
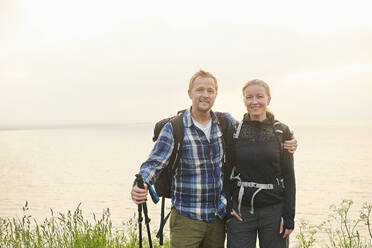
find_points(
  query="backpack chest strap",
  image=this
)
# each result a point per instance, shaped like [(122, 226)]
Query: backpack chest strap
[(243, 185), (255, 185)]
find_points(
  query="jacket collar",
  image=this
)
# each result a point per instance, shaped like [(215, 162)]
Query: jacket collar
[(268, 121)]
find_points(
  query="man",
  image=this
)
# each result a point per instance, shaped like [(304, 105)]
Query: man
[(198, 201)]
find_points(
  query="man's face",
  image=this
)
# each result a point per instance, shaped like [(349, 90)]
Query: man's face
[(203, 94)]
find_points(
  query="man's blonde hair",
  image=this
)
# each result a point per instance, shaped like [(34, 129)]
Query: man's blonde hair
[(203, 74)]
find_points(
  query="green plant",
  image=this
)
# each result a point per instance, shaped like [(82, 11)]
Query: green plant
[(70, 230), (306, 235), (347, 233), (73, 230)]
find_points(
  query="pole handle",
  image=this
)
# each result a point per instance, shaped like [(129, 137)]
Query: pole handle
[(139, 181)]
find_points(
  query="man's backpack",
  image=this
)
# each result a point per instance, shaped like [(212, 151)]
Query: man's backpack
[(164, 182)]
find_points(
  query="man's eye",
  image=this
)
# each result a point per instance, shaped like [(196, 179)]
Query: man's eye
[(210, 91)]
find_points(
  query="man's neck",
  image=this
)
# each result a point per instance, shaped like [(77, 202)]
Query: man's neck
[(201, 117)]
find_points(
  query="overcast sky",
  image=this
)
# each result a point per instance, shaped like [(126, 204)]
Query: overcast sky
[(130, 61)]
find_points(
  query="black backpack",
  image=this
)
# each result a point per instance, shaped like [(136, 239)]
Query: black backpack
[(279, 131), (164, 182)]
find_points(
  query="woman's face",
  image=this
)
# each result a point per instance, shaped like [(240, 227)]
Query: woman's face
[(256, 101)]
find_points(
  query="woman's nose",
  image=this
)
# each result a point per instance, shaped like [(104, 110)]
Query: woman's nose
[(205, 93)]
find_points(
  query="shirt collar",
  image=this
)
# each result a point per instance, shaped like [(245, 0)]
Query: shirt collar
[(188, 120)]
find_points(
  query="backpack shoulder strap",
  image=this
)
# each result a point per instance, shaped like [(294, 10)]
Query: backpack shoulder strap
[(226, 128), (281, 132), (178, 127), (178, 135), (224, 123), (229, 155), (238, 127)]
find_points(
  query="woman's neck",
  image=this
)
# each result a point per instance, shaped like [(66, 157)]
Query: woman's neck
[(261, 117)]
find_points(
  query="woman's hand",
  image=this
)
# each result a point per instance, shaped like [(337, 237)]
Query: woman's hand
[(287, 232), (236, 215)]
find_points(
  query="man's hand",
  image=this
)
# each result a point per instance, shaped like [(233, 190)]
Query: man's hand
[(287, 232), (291, 145), (139, 195)]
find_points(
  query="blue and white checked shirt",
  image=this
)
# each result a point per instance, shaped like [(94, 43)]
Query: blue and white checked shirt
[(197, 183)]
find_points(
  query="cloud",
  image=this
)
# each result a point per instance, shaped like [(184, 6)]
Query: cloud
[(62, 64)]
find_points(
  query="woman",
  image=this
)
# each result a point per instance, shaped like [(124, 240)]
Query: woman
[(263, 181)]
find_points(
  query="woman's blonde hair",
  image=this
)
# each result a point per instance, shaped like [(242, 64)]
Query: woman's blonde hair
[(260, 83)]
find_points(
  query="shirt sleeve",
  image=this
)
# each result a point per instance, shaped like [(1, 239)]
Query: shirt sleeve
[(159, 156), (290, 186)]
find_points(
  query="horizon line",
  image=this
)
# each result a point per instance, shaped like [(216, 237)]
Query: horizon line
[(143, 123)]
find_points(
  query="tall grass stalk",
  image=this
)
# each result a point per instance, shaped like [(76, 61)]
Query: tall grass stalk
[(342, 230), (70, 230)]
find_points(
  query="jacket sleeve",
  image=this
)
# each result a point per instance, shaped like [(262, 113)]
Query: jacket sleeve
[(229, 164), (287, 165), (159, 156)]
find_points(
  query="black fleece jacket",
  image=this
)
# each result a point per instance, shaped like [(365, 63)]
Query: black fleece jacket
[(257, 157)]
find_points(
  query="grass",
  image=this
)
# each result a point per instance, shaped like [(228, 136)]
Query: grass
[(340, 229), (72, 230)]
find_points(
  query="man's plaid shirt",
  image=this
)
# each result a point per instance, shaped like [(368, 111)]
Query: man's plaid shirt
[(197, 183)]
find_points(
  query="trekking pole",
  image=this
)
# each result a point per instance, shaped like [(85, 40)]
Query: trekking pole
[(140, 219), (147, 222), (143, 206), (140, 224)]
